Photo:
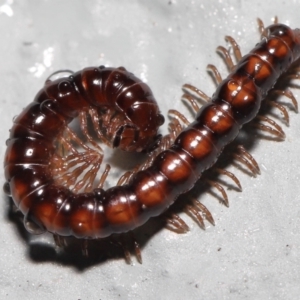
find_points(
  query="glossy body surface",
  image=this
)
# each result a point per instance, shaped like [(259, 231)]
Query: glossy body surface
[(173, 172)]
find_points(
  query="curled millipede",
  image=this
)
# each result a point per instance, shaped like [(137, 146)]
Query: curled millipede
[(171, 170)]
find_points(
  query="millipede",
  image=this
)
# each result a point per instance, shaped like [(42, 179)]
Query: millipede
[(53, 184)]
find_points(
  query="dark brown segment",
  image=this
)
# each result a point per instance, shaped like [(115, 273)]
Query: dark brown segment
[(91, 83), (47, 123), (285, 33), (275, 52), (221, 123), (26, 181), (28, 151), (82, 217), (178, 167), (121, 208), (137, 113), (199, 145), (241, 94), (63, 91), (49, 203), (260, 71), (152, 190)]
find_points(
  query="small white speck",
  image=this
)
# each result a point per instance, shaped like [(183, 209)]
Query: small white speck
[(37, 70), (48, 57)]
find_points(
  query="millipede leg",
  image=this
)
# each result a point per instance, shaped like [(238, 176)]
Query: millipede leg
[(215, 72), (67, 170), (287, 93), (180, 116), (176, 224), (275, 129), (206, 213), (192, 101), (84, 127), (126, 252), (138, 252), (96, 121), (261, 29), (59, 241), (227, 57), (124, 178), (176, 127), (282, 109), (235, 46), (190, 89), (230, 175), (199, 212), (244, 157), (137, 248), (89, 177), (103, 177), (219, 188), (71, 136), (195, 214)]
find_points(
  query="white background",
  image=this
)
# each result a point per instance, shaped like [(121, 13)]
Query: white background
[(253, 252)]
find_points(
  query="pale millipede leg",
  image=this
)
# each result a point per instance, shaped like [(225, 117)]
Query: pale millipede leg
[(88, 178), (287, 93), (73, 175), (227, 57), (137, 248), (123, 179), (275, 20), (84, 128), (103, 177), (282, 109), (175, 128), (180, 116), (230, 175), (219, 188), (261, 29), (190, 89), (172, 131), (216, 74), (59, 241), (126, 251), (205, 211), (278, 132), (138, 252), (247, 159), (195, 214), (67, 144), (62, 173), (176, 224), (192, 101), (243, 151), (96, 121), (235, 46), (71, 135)]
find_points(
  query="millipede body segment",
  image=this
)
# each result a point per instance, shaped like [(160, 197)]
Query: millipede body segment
[(100, 213)]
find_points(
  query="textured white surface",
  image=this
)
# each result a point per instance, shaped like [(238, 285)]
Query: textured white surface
[(253, 252)]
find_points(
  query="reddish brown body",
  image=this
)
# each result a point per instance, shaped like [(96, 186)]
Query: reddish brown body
[(173, 172)]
